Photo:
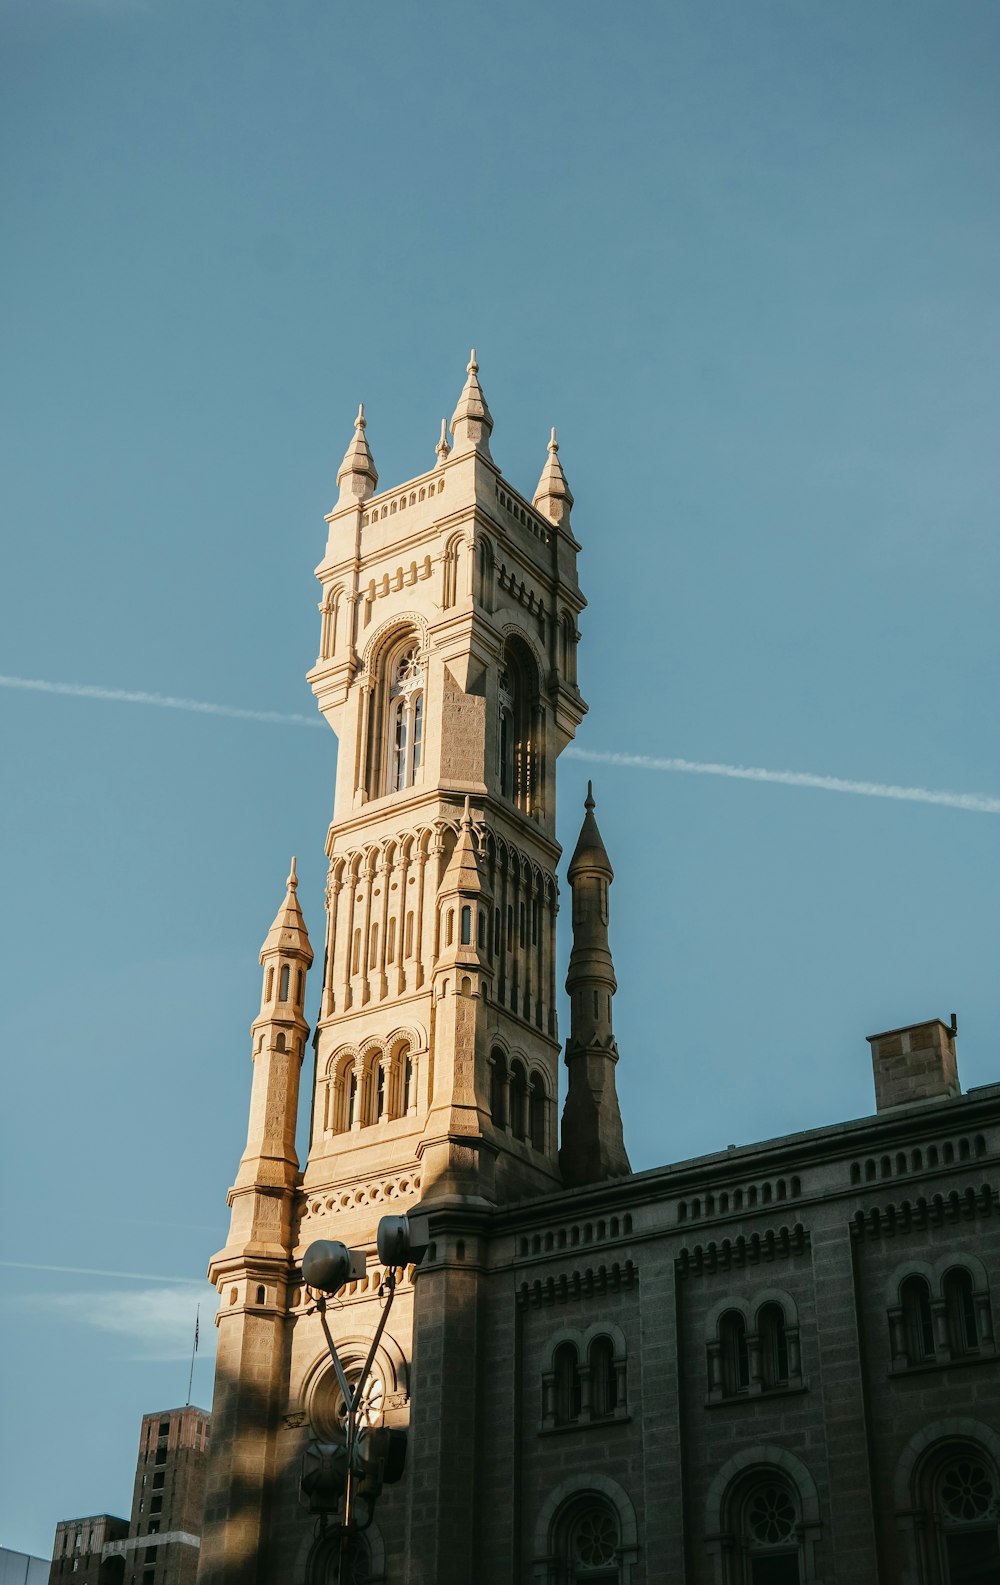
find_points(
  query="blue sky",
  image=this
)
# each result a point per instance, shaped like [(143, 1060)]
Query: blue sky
[(745, 256)]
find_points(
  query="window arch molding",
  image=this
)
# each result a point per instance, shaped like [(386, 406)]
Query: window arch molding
[(722, 1546), (938, 1345), (958, 1429), (909, 1268), (546, 1567), (918, 1471), (581, 1342), (972, 1264), (319, 1381)]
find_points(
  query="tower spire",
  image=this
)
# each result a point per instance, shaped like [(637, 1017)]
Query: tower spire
[(471, 422), (357, 475), (592, 1144), (553, 497)]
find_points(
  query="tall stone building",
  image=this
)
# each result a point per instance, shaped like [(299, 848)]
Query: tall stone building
[(769, 1366), (159, 1544)]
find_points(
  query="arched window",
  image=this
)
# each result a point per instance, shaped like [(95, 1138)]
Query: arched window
[(955, 1513), (498, 1089), (960, 1308), (566, 1385), (769, 1520), (536, 1113), (518, 727), (396, 724), (603, 1378), (346, 1097), (588, 1543), (773, 1346), (283, 992), (518, 1100), (918, 1326), (735, 1354)]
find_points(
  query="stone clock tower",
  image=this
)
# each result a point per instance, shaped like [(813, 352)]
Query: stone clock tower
[(447, 671)]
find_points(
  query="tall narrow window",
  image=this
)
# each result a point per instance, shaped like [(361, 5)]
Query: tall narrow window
[(773, 1346), (390, 942), (299, 986), (268, 993), (567, 1385), (283, 992), (498, 1085), (406, 1097), (518, 727), (917, 1321), (603, 1378), (961, 1312), (466, 926), (379, 1092), (518, 1100), (409, 934), (536, 1113), (404, 719), (735, 1354)]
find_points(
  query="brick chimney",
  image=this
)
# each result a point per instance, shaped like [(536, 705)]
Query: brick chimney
[(916, 1063)]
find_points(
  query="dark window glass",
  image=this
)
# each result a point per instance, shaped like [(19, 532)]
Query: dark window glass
[(567, 1385), (773, 1345), (735, 1355), (961, 1310), (603, 1378), (917, 1320)]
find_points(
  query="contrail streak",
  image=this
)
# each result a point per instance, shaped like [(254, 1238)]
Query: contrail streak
[(978, 803), (92, 1271), (80, 690), (975, 803)]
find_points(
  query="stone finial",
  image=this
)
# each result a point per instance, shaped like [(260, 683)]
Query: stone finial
[(443, 447), (553, 497), (471, 422), (288, 933), (590, 856), (357, 475)]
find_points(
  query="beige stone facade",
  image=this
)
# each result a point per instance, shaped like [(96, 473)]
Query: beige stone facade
[(770, 1366)]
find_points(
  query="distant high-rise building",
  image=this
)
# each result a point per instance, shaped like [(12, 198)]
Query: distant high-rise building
[(159, 1544)]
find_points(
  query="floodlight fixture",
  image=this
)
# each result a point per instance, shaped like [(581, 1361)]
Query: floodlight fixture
[(329, 1265), (402, 1240)]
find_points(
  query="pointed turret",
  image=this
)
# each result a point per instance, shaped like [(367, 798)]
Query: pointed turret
[(357, 475), (592, 1144), (443, 447), (288, 934), (553, 497), (472, 421)]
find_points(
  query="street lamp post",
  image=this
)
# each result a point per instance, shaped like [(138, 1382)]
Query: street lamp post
[(327, 1267)]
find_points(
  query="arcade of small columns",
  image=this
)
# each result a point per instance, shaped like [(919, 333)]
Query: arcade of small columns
[(383, 924)]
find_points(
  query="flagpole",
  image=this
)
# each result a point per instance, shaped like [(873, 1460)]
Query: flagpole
[(194, 1351)]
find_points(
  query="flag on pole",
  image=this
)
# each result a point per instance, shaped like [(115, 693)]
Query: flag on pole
[(197, 1318)]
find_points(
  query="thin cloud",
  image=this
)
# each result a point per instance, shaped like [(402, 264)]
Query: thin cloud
[(971, 803), (157, 1323), (976, 803), (92, 1271), (80, 690)]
